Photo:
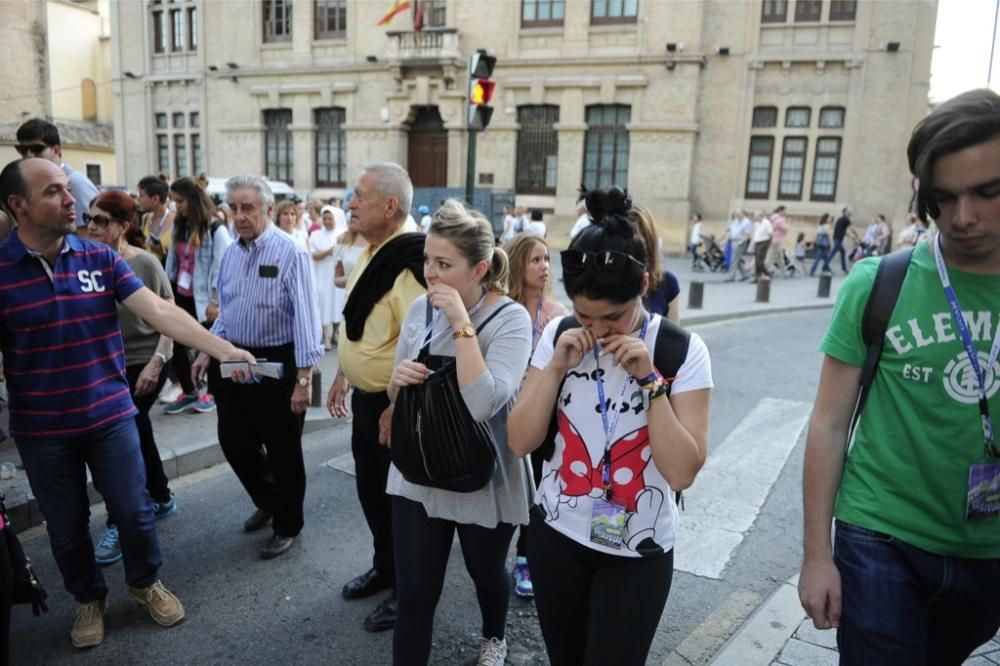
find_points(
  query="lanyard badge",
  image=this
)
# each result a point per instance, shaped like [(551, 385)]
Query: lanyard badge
[(607, 520), (983, 492)]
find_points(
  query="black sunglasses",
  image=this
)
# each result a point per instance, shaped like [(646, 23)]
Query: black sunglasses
[(575, 262), (100, 220), (35, 149)]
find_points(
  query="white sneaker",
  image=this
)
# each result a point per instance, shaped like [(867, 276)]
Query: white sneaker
[(492, 652), (168, 394)]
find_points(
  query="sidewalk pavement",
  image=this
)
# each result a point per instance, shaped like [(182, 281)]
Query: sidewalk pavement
[(779, 634), (189, 442)]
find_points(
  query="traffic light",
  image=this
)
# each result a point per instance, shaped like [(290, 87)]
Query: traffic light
[(480, 90)]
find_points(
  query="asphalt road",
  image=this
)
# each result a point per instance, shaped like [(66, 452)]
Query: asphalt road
[(241, 609)]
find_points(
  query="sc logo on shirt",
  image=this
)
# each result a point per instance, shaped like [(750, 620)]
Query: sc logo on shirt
[(90, 281)]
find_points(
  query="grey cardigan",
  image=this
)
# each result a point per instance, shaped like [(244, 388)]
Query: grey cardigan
[(506, 346)]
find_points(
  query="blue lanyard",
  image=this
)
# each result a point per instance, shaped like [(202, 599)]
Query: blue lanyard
[(612, 423), (427, 339), (970, 350)]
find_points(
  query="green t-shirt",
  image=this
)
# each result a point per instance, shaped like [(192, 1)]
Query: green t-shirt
[(907, 471)]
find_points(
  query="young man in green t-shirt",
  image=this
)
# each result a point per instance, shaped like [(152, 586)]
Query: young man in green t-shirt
[(913, 575)]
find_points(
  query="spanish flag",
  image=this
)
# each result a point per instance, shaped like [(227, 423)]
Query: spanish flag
[(397, 7)]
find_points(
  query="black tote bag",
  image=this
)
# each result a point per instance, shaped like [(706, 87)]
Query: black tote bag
[(435, 440)]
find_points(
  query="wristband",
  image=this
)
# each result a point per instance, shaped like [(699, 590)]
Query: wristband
[(649, 379), (161, 356)]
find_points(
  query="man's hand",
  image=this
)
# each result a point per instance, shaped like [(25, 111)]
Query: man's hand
[(198, 369), (212, 312), (385, 427), (301, 397), (336, 399), (149, 376), (819, 592)]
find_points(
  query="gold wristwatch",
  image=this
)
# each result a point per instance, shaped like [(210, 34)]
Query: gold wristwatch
[(467, 331)]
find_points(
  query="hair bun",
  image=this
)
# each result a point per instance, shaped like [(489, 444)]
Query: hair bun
[(609, 209)]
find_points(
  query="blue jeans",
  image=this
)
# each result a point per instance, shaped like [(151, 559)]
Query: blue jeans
[(821, 256), (838, 247), (903, 605), (57, 471)]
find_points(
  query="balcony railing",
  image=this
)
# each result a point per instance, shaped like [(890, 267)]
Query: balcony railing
[(429, 44)]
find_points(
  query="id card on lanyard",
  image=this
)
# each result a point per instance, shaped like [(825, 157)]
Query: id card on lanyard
[(983, 492), (607, 518)]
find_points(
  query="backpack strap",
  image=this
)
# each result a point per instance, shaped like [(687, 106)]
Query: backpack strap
[(875, 321)]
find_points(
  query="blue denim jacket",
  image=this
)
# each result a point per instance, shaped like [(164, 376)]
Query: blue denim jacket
[(206, 267)]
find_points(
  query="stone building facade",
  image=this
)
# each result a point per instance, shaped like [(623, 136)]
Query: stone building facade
[(696, 105)]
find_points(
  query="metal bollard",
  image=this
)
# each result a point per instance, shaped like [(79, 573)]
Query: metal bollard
[(763, 289), (696, 295), (824, 286), (317, 382)]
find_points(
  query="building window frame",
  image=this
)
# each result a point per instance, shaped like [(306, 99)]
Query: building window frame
[(176, 30), (537, 157), (330, 135), (822, 153), (765, 116), (323, 10), (95, 172), (435, 13), (532, 11), (192, 28), (277, 25), (279, 150), (824, 111), (197, 162), (843, 10), (786, 172), (595, 173), (808, 11), (798, 110), (181, 163), (163, 153), (602, 12), (774, 11), (760, 146), (159, 31)]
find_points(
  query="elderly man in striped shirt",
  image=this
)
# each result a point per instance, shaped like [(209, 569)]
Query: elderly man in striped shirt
[(267, 306)]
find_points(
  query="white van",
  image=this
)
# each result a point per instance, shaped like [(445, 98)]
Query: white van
[(217, 190)]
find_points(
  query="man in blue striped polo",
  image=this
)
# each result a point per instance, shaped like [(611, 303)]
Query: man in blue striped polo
[(70, 407), (268, 306)]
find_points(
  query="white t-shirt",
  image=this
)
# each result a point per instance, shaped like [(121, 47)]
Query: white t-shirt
[(581, 223), (535, 229), (425, 223), (696, 233), (762, 231), (571, 480)]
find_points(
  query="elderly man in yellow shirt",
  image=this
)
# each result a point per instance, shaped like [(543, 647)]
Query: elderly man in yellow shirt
[(386, 280)]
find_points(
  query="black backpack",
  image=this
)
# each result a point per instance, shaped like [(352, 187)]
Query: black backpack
[(875, 321), (669, 352)]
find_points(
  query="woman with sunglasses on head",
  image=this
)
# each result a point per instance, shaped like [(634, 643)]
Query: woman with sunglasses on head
[(531, 286), (193, 261), (626, 439), (466, 280), (113, 219)]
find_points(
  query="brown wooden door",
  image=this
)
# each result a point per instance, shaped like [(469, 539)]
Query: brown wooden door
[(428, 149)]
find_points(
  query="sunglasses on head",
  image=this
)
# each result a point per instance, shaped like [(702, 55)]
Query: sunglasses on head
[(35, 149), (99, 220), (575, 262)]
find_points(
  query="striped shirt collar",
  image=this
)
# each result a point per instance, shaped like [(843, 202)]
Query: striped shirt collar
[(19, 250), (261, 241)]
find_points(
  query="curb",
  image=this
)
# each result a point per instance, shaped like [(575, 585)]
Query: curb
[(761, 639), (697, 320), (177, 462)]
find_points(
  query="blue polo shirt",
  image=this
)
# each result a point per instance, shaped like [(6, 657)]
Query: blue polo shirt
[(62, 348)]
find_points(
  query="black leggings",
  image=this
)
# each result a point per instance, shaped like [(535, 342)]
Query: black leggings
[(595, 608), (536, 472), (182, 361), (422, 546)]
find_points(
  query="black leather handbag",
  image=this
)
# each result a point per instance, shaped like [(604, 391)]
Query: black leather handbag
[(435, 441), (26, 588)]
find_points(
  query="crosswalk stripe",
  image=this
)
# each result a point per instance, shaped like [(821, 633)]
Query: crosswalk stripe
[(725, 499)]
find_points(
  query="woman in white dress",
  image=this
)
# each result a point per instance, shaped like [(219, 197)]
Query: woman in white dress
[(288, 221), (322, 244), (350, 245)]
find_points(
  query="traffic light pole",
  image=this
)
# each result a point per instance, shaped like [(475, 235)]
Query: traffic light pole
[(470, 169)]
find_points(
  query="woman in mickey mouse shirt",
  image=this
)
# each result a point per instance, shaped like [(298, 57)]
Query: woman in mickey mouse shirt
[(628, 439)]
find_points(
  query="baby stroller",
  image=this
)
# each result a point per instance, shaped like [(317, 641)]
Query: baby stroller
[(712, 257)]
